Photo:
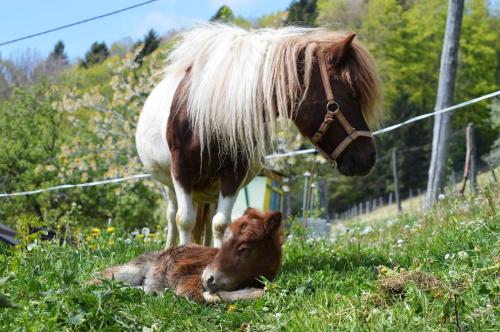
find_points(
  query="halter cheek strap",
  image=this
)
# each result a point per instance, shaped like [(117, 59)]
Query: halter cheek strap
[(333, 112)]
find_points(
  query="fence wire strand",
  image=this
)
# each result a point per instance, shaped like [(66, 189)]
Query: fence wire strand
[(272, 156)]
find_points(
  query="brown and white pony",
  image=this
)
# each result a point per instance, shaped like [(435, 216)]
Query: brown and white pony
[(207, 126), (251, 249)]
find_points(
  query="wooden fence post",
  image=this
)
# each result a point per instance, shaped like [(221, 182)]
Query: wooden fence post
[(453, 180), (305, 197), (395, 177), (285, 198), (473, 160), (444, 98), (470, 163), (493, 175)]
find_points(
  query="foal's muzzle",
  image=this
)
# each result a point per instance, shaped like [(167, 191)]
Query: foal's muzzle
[(212, 280)]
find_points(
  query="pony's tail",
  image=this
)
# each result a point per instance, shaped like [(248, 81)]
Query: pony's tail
[(202, 231), (133, 272)]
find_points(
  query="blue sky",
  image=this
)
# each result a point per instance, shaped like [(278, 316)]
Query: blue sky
[(22, 17)]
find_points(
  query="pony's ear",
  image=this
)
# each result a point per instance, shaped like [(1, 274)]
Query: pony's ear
[(340, 51), (272, 221)]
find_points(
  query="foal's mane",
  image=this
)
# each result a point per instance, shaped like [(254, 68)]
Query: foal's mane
[(243, 81)]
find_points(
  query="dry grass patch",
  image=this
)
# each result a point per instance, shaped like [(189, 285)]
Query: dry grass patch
[(396, 283)]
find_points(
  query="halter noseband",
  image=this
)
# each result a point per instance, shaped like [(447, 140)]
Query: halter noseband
[(333, 112)]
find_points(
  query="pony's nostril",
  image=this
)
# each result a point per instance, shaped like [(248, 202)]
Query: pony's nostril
[(210, 280)]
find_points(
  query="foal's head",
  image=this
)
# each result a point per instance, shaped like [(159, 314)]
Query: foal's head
[(251, 249), (355, 86)]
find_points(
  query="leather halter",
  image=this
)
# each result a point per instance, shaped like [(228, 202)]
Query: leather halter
[(333, 112)]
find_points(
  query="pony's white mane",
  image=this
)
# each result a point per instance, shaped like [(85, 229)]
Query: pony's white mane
[(243, 81)]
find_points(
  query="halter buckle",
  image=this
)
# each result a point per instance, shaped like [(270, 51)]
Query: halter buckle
[(332, 106)]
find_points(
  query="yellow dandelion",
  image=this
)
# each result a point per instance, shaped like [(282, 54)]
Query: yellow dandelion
[(110, 229), (151, 235), (140, 236), (95, 231), (231, 308)]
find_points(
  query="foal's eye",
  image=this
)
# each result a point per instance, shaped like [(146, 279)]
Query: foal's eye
[(243, 250)]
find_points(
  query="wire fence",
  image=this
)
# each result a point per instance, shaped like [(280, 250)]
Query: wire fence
[(76, 23), (272, 156)]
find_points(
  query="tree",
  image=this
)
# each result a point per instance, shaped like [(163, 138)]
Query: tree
[(477, 69), (274, 20), (224, 14), (344, 14), (493, 158), (98, 53), (58, 54), (150, 43), (302, 12), (447, 75), (31, 130)]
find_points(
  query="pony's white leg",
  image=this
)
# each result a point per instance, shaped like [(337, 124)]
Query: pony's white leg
[(171, 211), (186, 215), (222, 217)]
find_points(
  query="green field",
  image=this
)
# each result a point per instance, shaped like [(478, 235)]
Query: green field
[(430, 272)]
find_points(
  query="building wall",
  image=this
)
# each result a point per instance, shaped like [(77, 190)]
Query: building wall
[(256, 191)]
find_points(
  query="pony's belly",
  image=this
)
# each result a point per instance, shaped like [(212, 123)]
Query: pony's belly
[(151, 135), (208, 195)]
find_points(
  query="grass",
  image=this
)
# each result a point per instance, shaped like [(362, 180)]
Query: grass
[(414, 204), (430, 272)]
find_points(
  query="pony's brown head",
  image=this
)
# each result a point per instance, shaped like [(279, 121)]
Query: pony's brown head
[(336, 108), (251, 249)]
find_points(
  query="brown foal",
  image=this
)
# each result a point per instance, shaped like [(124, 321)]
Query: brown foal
[(251, 250)]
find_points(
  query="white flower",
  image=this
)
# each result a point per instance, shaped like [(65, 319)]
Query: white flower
[(367, 230), (441, 197), (407, 226), (134, 233), (32, 246), (127, 241), (462, 254), (145, 231), (278, 315), (449, 256), (400, 242)]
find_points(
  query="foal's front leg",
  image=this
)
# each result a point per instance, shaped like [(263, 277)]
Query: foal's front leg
[(231, 296)]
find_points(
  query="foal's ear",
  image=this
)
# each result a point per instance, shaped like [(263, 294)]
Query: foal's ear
[(340, 51), (249, 210), (272, 221), (254, 213)]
